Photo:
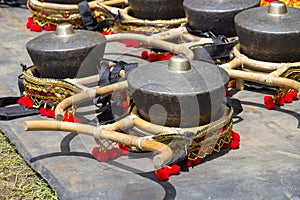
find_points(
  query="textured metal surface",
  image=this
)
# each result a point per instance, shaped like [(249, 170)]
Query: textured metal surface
[(215, 15), (180, 99), (58, 56), (268, 37), (156, 9)]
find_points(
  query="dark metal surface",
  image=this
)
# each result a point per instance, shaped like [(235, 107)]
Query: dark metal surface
[(179, 99), (66, 56), (156, 9), (215, 15), (268, 37)]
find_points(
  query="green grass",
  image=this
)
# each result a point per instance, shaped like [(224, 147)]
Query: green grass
[(17, 179)]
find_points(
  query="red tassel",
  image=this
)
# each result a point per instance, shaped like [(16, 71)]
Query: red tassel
[(268, 99), (51, 113), (26, 101), (270, 105), (235, 144), (189, 163), (145, 54), (288, 97), (95, 152), (102, 156), (124, 148), (235, 135), (44, 111), (50, 28), (163, 174), (160, 57), (294, 94), (36, 28), (197, 161), (168, 56), (175, 169), (279, 101), (113, 153), (152, 57), (69, 117)]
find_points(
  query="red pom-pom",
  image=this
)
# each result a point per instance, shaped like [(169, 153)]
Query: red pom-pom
[(44, 111), (168, 56), (95, 151), (69, 117), (152, 57), (53, 27), (29, 23), (270, 105), (189, 163), (160, 56), (163, 174), (235, 144), (26, 101), (279, 101), (113, 153), (268, 99), (294, 94), (145, 54), (288, 97), (175, 169), (30, 19), (235, 135), (47, 28), (102, 156), (197, 161), (51, 113), (124, 148), (105, 33), (36, 28)]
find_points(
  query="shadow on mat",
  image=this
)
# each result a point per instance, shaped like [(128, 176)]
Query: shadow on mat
[(170, 191)]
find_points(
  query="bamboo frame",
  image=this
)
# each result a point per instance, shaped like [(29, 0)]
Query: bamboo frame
[(164, 151), (111, 132), (271, 79), (73, 8), (157, 129), (89, 94)]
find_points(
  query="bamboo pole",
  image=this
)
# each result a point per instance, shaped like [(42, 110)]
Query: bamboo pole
[(157, 129), (178, 49), (259, 65), (164, 151), (74, 7), (264, 78), (87, 95)]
